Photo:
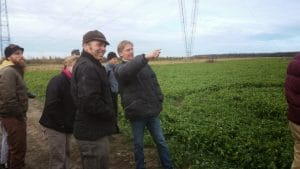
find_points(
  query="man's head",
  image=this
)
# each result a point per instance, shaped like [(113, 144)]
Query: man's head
[(112, 58), (75, 52), (94, 42), (125, 50), (14, 53)]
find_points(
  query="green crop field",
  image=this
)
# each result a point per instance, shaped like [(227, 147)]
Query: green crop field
[(228, 114)]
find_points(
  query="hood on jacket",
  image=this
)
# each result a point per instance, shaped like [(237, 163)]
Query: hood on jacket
[(6, 63)]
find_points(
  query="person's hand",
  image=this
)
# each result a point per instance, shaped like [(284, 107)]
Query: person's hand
[(153, 55)]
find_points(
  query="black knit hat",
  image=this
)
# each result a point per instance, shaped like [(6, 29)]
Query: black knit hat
[(12, 48), (94, 35), (75, 52), (111, 55)]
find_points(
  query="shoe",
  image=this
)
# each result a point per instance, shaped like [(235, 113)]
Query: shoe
[(31, 95)]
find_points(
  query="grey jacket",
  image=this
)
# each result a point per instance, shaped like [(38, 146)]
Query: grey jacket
[(114, 87), (141, 96)]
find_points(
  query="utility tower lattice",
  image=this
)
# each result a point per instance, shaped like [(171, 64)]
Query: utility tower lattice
[(4, 26), (189, 31)]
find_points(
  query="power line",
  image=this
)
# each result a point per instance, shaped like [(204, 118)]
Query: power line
[(91, 19), (117, 17), (195, 14), (183, 23), (121, 15), (189, 31)]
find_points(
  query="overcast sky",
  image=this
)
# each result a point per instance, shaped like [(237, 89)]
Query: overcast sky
[(56, 27)]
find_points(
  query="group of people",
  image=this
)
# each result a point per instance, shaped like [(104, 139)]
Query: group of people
[(83, 101)]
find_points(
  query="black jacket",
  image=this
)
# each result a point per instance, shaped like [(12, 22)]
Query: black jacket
[(141, 96), (90, 90), (59, 110)]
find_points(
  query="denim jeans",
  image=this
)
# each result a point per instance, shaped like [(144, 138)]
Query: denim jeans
[(153, 125)]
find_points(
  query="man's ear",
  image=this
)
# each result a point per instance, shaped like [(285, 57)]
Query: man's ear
[(85, 46)]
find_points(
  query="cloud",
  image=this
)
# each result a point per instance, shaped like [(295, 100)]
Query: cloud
[(55, 27)]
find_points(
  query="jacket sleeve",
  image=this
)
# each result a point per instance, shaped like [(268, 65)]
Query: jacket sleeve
[(8, 83), (113, 82), (53, 103), (131, 68), (90, 95), (111, 78)]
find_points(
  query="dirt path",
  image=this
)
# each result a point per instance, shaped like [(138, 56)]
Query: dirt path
[(121, 156)]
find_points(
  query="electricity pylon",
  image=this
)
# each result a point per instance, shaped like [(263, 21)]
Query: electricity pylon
[(4, 26)]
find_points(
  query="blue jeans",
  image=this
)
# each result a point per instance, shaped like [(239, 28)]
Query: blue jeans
[(153, 125)]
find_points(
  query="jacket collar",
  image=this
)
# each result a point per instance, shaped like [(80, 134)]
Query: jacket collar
[(90, 57), (6, 63), (67, 73), (124, 60), (19, 68)]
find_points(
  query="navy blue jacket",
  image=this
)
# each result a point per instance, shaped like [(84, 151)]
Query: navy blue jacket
[(59, 109)]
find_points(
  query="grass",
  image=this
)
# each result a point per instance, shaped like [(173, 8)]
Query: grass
[(226, 114)]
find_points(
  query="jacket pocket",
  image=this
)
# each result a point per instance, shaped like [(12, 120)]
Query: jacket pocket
[(136, 109)]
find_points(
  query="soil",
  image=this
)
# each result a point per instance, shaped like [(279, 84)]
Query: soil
[(121, 156)]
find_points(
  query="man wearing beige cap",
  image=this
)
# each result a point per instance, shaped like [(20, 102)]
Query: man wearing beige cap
[(95, 119)]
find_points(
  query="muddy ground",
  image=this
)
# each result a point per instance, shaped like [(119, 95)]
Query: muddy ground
[(121, 156)]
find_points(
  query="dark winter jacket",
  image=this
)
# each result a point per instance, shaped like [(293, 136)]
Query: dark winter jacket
[(90, 90), (141, 96), (59, 110), (13, 91), (292, 89)]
